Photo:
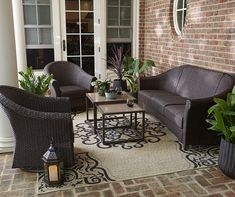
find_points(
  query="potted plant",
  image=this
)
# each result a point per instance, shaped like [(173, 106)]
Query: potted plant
[(222, 120), (35, 84), (116, 65), (102, 86), (133, 70)]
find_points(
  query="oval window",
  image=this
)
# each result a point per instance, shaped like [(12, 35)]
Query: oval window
[(179, 14)]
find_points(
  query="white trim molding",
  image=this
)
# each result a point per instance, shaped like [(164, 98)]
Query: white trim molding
[(136, 18)]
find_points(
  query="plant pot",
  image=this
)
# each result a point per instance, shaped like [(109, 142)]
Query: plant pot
[(120, 83), (101, 92), (226, 158), (111, 95)]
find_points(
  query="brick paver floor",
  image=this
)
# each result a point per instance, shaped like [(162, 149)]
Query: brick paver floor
[(202, 182)]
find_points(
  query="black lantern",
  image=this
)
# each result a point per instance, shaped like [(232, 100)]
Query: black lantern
[(53, 167)]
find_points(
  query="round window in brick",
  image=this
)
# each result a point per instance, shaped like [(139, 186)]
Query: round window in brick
[(179, 14)]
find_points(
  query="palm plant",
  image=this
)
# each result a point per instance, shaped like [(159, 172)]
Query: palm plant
[(222, 117), (37, 85), (134, 69)]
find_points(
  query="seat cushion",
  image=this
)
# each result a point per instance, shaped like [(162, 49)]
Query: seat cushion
[(175, 113), (73, 91), (159, 99)]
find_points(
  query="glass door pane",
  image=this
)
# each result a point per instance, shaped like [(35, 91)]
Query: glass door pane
[(80, 33)]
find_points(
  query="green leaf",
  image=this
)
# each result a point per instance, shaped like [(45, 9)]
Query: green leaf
[(222, 103), (231, 100), (212, 108), (233, 90), (232, 128)]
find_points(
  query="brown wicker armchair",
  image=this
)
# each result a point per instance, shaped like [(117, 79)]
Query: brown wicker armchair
[(35, 120), (70, 81)]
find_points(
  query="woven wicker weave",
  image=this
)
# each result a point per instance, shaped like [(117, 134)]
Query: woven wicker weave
[(35, 120)]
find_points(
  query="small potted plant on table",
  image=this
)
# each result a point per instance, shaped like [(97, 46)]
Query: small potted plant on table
[(222, 120), (102, 86)]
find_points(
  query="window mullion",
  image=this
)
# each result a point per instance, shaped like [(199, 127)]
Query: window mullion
[(37, 25), (80, 32)]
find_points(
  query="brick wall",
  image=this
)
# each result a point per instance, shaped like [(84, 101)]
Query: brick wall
[(208, 38)]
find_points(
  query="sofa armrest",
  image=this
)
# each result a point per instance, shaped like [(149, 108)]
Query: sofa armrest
[(55, 88), (195, 128), (147, 83)]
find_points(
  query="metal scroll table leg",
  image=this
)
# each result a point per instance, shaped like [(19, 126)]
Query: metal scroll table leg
[(143, 124), (95, 118), (87, 114)]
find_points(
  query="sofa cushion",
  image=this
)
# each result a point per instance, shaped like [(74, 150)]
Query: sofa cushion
[(159, 99), (175, 113), (196, 83), (73, 91)]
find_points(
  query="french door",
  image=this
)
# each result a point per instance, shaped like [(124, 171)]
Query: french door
[(77, 30)]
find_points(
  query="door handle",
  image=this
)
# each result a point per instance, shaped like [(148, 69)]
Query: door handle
[(64, 45)]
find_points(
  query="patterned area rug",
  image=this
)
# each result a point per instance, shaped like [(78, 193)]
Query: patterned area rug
[(159, 153)]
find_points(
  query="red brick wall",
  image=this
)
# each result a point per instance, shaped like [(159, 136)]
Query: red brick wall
[(208, 38)]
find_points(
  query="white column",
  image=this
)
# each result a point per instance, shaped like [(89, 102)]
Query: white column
[(8, 69), (56, 19), (18, 18), (100, 39)]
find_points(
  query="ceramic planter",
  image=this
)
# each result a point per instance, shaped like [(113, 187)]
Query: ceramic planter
[(227, 158), (120, 83)]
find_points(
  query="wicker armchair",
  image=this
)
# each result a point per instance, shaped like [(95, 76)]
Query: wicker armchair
[(35, 120), (70, 81)]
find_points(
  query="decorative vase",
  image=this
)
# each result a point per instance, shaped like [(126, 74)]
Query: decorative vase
[(226, 158)]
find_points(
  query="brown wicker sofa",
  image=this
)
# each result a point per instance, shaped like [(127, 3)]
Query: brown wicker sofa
[(181, 97), (35, 120)]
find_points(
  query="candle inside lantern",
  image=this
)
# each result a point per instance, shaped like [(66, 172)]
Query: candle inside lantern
[(53, 173)]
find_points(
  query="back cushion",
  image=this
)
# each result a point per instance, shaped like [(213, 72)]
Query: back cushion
[(169, 80), (226, 84), (196, 82), (63, 72)]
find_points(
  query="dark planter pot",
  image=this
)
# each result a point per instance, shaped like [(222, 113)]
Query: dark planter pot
[(227, 158), (120, 83)]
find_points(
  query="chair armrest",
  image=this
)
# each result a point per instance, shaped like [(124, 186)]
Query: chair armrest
[(26, 112), (85, 79), (46, 104), (55, 88)]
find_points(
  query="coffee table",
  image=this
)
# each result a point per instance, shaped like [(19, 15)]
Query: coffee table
[(96, 99), (111, 112)]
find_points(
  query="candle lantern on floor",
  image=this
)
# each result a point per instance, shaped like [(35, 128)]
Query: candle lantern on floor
[(53, 167)]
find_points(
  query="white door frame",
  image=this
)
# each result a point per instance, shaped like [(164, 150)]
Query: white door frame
[(101, 36), (100, 40), (56, 21)]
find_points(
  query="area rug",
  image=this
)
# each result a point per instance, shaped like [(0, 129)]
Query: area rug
[(159, 153)]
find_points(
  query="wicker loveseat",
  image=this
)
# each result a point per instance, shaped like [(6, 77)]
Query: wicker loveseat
[(35, 120), (181, 97)]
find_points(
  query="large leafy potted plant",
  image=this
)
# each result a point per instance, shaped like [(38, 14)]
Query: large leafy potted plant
[(102, 86), (115, 63), (35, 84), (222, 120), (133, 70)]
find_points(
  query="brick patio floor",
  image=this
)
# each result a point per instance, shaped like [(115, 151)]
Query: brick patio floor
[(203, 182)]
